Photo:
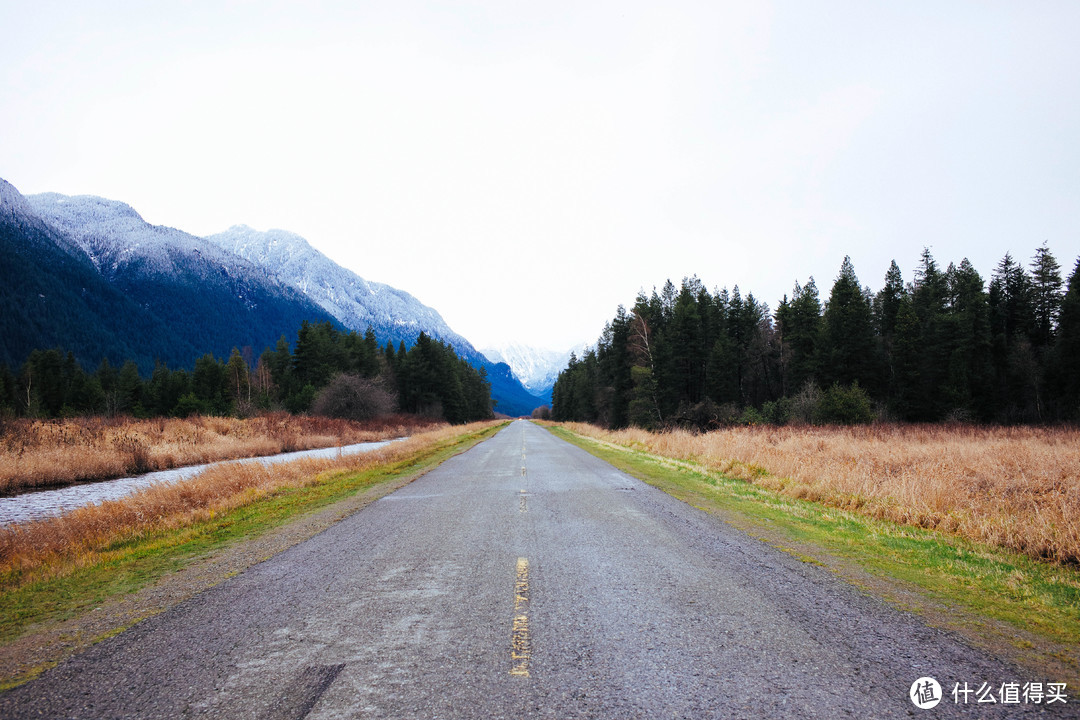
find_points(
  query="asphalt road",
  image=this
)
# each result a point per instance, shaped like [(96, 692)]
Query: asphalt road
[(524, 578)]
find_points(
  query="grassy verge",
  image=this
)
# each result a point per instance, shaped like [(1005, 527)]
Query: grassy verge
[(1014, 605), (72, 585)]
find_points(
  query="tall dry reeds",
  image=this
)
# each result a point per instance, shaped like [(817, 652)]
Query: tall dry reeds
[(40, 453), (1015, 487), (55, 545)]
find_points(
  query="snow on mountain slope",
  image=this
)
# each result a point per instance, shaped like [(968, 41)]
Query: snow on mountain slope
[(115, 237), (205, 295), (354, 301), (13, 206), (17, 211), (52, 295)]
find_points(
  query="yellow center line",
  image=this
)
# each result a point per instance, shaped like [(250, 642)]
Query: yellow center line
[(520, 645)]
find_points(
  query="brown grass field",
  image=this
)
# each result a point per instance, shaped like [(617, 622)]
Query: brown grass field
[(1015, 487), (42, 548), (40, 453)]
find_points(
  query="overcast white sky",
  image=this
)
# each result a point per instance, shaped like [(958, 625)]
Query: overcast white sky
[(524, 168)]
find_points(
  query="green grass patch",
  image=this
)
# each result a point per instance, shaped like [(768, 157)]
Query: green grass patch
[(1033, 606), (130, 564)]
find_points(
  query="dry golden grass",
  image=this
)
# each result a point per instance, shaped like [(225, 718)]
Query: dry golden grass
[(36, 453), (43, 548), (1017, 488)]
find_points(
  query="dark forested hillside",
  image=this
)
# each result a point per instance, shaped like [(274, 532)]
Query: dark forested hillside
[(51, 294), (945, 346), (91, 276), (208, 299)]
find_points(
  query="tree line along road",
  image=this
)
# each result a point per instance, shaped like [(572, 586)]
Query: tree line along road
[(523, 578)]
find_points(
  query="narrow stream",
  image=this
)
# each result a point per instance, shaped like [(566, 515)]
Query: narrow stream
[(43, 503)]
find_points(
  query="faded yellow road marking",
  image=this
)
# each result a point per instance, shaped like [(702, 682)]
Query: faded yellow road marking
[(520, 644), (522, 505)]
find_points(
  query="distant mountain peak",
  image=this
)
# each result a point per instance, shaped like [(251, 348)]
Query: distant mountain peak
[(272, 237), (11, 200), (87, 208), (536, 368)]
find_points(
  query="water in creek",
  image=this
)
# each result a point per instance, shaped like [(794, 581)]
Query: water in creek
[(43, 503)]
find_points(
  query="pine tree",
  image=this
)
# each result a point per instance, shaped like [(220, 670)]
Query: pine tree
[(887, 303), (1012, 312), (1065, 374), (369, 362), (969, 381), (800, 329), (849, 345), (760, 381), (929, 299), (886, 310), (158, 401), (280, 362), (908, 397), (129, 389), (1046, 295), (210, 385), (688, 366), (1012, 325)]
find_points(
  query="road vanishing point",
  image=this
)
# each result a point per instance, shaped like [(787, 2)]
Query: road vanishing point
[(524, 578)]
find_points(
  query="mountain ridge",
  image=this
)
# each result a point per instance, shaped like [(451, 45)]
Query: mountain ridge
[(357, 303), (209, 298), (51, 294), (90, 275)]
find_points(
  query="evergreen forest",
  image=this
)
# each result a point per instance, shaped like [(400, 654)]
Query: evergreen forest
[(327, 370), (945, 346)]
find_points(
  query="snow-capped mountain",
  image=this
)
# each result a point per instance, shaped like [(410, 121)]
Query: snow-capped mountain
[(51, 294), (16, 211), (207, 297), (117, 239), (393, 314), (536, 368), (92, 275)]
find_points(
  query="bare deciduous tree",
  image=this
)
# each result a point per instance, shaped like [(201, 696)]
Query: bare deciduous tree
[(354, 398)]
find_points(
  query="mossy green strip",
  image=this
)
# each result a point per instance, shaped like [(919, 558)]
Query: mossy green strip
[(963, 583)]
